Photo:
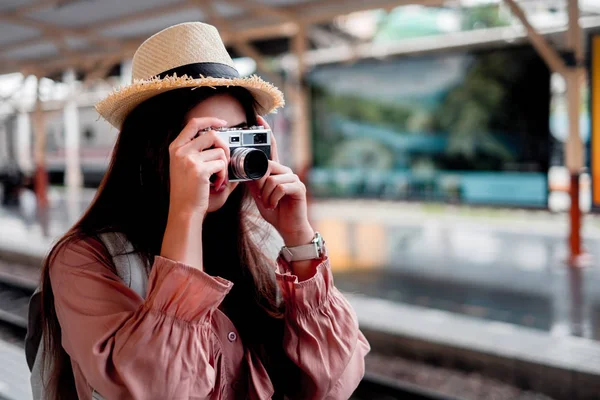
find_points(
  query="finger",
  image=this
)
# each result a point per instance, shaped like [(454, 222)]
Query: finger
[(212, 154), (257, 197), (207, 140), (255, 192), (272, 182), (274, 169), (292, 189), (281, 190), (274, 153), (260, 183), (279, 169), (193, 126), (215, 167), (262, 122)]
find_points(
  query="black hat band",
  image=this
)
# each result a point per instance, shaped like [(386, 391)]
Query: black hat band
[(205, 69)]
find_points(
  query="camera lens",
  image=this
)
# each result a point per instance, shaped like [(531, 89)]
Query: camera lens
[(249, 163)]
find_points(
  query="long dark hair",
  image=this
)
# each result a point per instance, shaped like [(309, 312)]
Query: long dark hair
[(133, 199)]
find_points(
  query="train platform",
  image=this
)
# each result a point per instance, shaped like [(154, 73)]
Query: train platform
[(14, 374), (23, 243), (23, 231), (499, 265), (482, 290)]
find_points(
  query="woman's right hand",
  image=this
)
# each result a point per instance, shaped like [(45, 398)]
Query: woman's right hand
[(193, 160), (194, 156)]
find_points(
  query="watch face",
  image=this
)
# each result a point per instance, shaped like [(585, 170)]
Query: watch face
[(320, 243)]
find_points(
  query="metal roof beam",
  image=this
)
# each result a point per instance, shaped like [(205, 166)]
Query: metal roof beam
[(255, 7), (246, 49), (546, 51), (142, 15), (53, 31), (213, 16), (22, 10), (304, 14)]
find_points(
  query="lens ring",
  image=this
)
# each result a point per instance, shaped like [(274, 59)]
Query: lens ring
[(256, 164), (237, 162), (242, 160)]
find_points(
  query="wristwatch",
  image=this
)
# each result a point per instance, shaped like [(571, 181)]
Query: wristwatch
[(314, 250)]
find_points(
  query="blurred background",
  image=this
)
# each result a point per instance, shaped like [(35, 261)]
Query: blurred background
[(447, 145)]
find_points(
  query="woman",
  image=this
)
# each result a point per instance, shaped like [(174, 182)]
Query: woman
[(218, 318)]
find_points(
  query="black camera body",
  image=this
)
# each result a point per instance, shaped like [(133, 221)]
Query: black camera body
[(250, 151)]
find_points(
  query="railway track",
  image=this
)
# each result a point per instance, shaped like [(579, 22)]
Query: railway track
[(377, 387), (15, 291), (14, 300)]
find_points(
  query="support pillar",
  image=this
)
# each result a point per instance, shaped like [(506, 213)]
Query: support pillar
[(301, 139), (126, 71), (574, 156), (4, 143), (73, 175), (4, 157), (40, 182), (23, 142), (574, 163), (573, 72)]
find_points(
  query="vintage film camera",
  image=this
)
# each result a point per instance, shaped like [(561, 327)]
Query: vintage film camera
[(250, 150)]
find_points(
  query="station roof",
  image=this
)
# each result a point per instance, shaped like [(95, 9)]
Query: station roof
[(45, 37)]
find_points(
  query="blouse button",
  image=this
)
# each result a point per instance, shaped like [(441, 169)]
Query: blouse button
[(232, 336)]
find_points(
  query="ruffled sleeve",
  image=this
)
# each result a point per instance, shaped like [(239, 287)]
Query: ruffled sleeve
[(128, 347), (321, 335)]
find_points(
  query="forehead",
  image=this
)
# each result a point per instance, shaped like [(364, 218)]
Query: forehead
[(222, 106)]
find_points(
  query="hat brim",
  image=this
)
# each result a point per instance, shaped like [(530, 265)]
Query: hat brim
[(118, 104)]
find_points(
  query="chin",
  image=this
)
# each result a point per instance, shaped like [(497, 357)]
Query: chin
[(218, 199)]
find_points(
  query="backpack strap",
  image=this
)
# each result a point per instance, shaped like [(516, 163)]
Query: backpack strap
[(34, 345), (129, 267), (34, 327)]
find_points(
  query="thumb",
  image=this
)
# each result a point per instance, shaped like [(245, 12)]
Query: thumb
[(254, 191)]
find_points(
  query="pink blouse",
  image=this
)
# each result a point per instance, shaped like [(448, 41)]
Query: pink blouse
[(177, 344)]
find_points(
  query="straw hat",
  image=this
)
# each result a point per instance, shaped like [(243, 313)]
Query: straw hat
[(191, 54)]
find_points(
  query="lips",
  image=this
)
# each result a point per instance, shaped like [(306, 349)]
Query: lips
[(213, 190)]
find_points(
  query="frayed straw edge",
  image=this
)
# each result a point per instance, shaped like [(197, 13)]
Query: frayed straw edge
[(172, 82), (157, 83)]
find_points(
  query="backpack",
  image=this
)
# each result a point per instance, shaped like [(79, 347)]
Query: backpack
[(132, 271)]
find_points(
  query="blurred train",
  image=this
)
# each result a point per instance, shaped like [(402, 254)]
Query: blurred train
[(96, 140)]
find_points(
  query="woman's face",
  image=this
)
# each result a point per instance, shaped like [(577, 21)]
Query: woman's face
[(227, 108)]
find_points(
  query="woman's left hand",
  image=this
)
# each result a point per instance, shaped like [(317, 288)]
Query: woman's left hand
[(281, 199)]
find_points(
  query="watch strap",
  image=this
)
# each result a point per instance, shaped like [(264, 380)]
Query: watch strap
[(298, 253), (311, 251)]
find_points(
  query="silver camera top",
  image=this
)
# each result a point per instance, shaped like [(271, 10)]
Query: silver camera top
[(225, 129)]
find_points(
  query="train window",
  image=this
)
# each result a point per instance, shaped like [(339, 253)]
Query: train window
[(89, 134), (51, 140)]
